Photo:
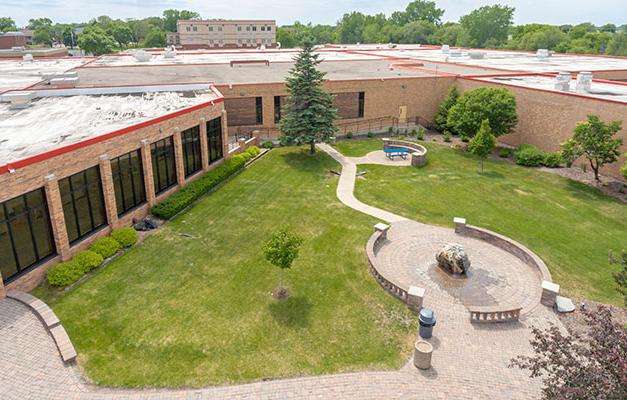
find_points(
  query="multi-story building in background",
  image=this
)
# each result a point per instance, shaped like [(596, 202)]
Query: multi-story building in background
[(221, 33)]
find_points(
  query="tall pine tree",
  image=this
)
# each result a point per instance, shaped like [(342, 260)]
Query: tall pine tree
[(309, 113)]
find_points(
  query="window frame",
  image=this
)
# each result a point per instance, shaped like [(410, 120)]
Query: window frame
[(169, 140), (361, 104), (138, 198), (214, 129), (258, 110), (190, 141)]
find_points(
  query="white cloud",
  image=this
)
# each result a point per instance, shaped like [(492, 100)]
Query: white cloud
[(316, 11)]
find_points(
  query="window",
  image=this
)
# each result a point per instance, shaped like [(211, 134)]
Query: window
[(269, 28), (191, 150), (263, 28), (258, 110), (239, 28), (214, 139), (254, 28), (362, 98), (188, 29), (83, 203), (128, 181), (195, 29), (248, 28), (211, 29), (25, 233), (278, 100), (163, 165)]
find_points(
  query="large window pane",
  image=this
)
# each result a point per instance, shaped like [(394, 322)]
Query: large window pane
[(163, 165), (83, 203), (191, 150), (214, 139), (128, 181), (25, 234)]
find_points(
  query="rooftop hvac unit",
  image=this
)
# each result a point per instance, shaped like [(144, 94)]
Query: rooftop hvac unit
[(562, 81), (170, 52), (18, 99), (445, 48), (64, 82), (543, 53), (141, 56), (27, 57), (477, 55), (584, 81)]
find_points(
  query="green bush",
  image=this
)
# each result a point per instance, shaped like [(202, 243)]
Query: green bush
[(447, 136), (390, 131), (349, 135), (106, 246), (552, 160), (64, 274), (529, 156), (414, 132), (87, 260), (505, 152), (254, 151), (268, 145), (371, 134), (125, 237), (465, 139), (185, 196), (420, 135)]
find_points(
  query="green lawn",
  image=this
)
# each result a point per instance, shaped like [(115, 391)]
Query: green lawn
[(570, 225), (177, 311)]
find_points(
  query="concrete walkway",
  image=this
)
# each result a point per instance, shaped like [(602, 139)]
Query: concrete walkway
[(469, 361)]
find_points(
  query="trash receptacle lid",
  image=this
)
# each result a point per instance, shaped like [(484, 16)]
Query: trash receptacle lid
[(427, 316)]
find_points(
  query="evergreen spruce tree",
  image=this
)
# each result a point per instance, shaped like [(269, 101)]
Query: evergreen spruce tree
[(309, 113)]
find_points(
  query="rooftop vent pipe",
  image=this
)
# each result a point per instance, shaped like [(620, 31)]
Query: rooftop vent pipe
[(543, 53), (445, 48), (562, 81), (27, 57), (584, 81)]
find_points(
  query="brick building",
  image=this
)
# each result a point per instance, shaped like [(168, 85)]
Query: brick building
[(132, 145), (221, 33), (8, 40)]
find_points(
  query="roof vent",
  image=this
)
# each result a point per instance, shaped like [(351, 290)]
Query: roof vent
[(18, 99), (170, 52), (584, 81), (562, 81), (445, 48), (543, 53), (477, 55), (27, 57), (141, 56)]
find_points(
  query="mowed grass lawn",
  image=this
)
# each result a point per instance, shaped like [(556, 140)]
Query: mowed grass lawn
[(570, 225), (177, 311)]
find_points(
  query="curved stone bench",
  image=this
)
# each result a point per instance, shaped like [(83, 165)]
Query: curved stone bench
[(372, 247), (490, 314), (418, 152)]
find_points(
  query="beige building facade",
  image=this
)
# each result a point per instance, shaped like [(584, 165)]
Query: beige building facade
[(219, 33)]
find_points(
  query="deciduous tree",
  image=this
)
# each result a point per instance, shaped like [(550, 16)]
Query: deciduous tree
[(488, 25), (281, 250), (96, 41), (483, 142), (440, 119), (594, 140)]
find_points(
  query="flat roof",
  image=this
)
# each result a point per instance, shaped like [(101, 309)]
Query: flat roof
[(62, 117), (598, 90), (18, 74)]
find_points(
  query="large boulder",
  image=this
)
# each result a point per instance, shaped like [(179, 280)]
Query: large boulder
[(453, 259)]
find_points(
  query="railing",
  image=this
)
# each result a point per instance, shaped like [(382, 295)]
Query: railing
[(486, 314), (372, 247)]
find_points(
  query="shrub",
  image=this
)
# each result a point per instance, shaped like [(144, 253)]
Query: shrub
[(496, 105), (268, 145), (552, 160), (87, 260), (414, 132), (420, 135), (371, 134), (106, 246), (125, 237), (390, 130), (254, 151), (505, 152), (529, 156), (182, 198), (349, 135), (465, 139), (64, 274), (447, 136)]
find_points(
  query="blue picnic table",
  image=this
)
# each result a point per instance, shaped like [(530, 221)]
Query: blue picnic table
[(396, 152)]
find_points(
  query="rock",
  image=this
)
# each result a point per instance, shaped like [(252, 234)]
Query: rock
[(564, 304), (452, 258)]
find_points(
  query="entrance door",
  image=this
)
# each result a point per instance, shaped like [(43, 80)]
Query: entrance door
[(402, 114)]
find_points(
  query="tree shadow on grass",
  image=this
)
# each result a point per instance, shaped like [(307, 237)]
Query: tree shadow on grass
[(586, 192), (293, 312), (300, 159)]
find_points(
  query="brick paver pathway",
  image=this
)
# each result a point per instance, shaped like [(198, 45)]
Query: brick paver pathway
[(469, 360)]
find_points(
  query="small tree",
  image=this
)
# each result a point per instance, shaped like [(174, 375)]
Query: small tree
[(483, 142), (498, 106), (593, 366), (442, 115), (593, 139), (281, 251), (309, 113), (623, 169)]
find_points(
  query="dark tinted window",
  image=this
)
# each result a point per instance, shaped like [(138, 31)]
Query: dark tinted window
[(128, 181), (214, 139), (259, 110), (163, 165), (191, 150)]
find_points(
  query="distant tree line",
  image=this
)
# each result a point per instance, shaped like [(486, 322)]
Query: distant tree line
[(420, 22)]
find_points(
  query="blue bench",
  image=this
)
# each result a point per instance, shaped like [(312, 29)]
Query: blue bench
[(396, 152)]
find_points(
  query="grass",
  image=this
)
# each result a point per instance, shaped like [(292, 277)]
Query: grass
[(176, 311), (570, 225)]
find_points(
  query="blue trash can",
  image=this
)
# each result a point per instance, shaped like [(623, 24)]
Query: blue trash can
[(426, 320)]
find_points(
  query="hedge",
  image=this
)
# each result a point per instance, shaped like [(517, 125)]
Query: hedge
[(125, 237), (70, 271), (185, 196), (531, 156), (106, 246)]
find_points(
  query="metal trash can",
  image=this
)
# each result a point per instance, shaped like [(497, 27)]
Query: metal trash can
[(426, 320), (422, 354)]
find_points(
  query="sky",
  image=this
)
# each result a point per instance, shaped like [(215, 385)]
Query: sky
[(286, 12)]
